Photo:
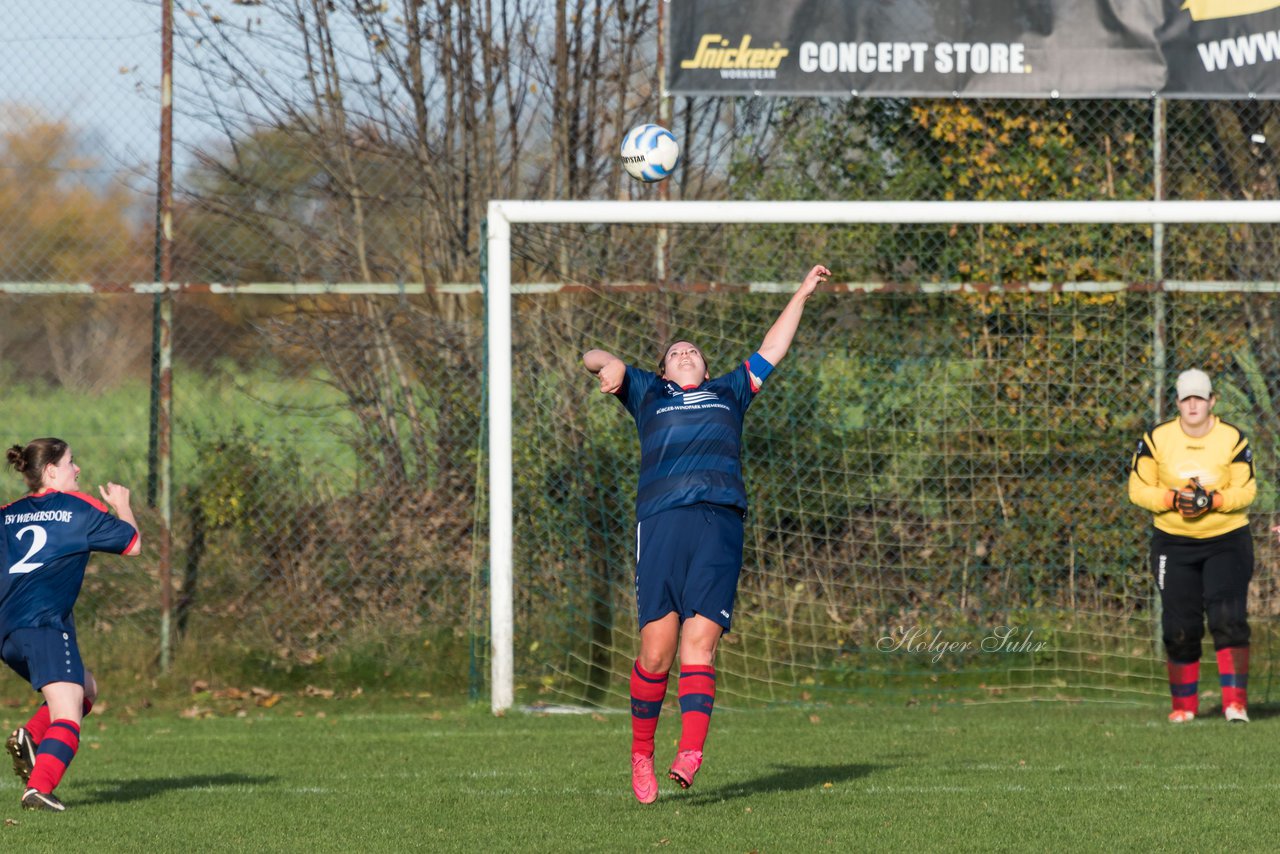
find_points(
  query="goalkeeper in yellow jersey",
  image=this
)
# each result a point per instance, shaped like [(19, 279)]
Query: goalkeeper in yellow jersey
[(1195, 473)]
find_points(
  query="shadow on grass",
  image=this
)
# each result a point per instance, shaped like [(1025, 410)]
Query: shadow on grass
[(122, 791), (787, 778)]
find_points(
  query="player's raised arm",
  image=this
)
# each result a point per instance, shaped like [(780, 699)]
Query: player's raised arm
[(117, 497), (607, 367), (778, 339)]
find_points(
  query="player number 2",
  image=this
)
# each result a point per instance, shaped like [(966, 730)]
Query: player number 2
[(38, 538)]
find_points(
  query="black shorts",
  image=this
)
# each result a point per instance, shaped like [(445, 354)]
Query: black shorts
[(1223, 564), (1199, 579)]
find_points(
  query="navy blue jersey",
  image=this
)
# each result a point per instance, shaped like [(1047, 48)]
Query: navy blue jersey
[(47, 541), (691, 439)]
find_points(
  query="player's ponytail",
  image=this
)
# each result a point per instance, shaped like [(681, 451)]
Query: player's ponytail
[(30, 461)]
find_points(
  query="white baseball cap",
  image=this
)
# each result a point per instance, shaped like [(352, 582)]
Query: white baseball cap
[(1194, 383)]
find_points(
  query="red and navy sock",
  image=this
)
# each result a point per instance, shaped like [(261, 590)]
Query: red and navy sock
[(648, 690), (56, 752), (697, 697), (1233, 675), (39, 723), (1184, 685)]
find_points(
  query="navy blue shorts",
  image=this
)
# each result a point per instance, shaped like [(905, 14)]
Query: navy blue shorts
[(44, 655), (687, 561)]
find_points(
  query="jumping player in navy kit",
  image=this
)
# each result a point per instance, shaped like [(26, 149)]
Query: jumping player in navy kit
[(48, 536), (690, 506)]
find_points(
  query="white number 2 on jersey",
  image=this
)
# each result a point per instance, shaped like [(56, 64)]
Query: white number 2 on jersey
[(38, 538)]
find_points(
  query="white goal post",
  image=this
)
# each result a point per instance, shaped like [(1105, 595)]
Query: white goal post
[(502, 214)]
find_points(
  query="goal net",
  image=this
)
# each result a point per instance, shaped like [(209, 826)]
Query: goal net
[(937, 472)]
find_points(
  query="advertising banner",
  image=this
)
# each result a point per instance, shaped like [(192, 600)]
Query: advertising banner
[(975, 48)]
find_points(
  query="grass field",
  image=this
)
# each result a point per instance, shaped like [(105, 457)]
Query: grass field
[(315, 776), (109, 431)]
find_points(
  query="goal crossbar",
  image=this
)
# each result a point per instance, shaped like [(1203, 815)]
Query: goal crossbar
[(502, 214), (777, 213)]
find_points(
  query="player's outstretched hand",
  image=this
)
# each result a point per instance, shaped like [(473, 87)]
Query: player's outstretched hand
[(115, 495), (611, 376), (816, 276)]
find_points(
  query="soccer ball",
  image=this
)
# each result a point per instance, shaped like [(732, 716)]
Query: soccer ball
[(649, 153)]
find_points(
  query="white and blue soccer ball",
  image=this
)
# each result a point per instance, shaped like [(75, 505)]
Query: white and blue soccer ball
[(650, 153)]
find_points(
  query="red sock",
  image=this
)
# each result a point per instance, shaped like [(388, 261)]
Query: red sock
[(1233, 675), (55, 754), (648, 690), (39, 723), (697, 697), (1184, 685)]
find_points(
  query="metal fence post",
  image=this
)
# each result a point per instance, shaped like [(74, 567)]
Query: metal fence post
[(162, 357)]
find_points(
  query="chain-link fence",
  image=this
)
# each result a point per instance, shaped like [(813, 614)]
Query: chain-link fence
[(325, 455), (328, 449)]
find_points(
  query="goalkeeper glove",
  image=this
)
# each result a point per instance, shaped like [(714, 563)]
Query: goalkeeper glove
[(1193, 501)]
